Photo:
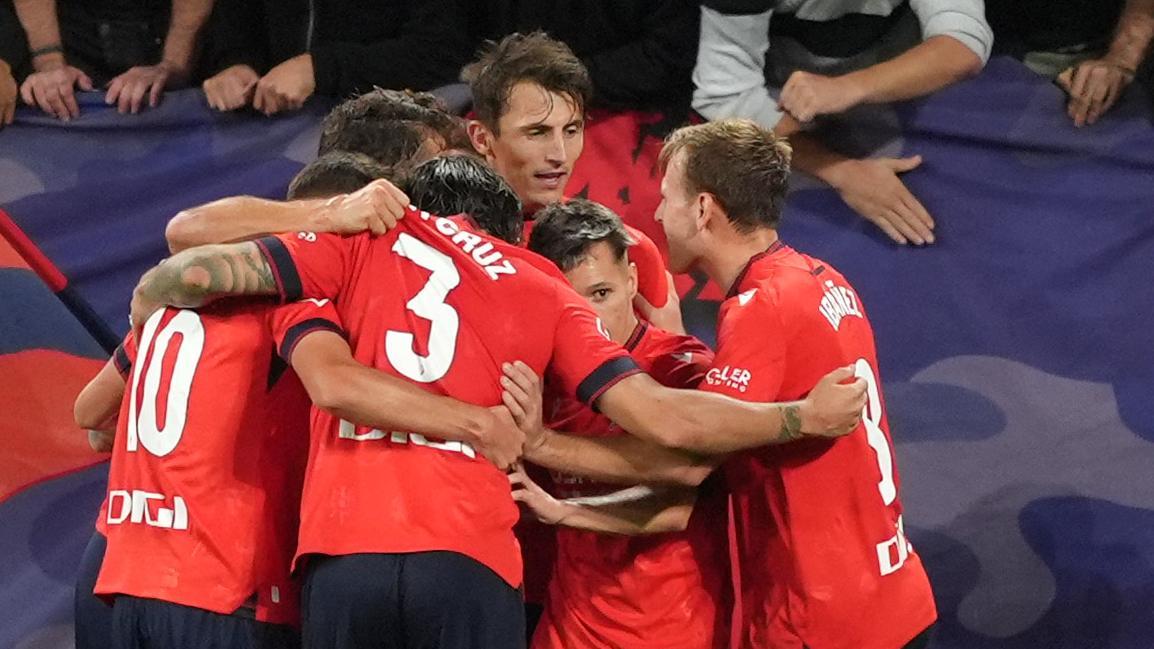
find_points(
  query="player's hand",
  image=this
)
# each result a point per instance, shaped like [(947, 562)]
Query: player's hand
[(231, 88), (500, 440), (101, 440), (143, 304), (376, 207), (52, 90), (1093, 86), (286, 87), (872, 188), (833, 408), (807, 95), (128, 90), (667, 317), (8, 93), (546, 508), (522, 396)]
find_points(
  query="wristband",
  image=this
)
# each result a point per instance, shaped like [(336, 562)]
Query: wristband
[(47, 49)]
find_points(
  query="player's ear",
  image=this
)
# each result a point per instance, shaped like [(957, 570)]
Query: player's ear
[(708, 209), (631, 286), (481, 137)]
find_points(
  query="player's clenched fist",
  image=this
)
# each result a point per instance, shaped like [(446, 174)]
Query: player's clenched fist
[(833, 408), (500, 439), (375, 207)]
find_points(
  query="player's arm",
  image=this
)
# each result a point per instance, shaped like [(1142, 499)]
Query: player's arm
[(339, 384), (199, 276), (632, 512), (98, 404), (713, 424), (376, 207)]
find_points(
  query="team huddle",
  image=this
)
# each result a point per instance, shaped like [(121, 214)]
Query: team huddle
[(332, 411)]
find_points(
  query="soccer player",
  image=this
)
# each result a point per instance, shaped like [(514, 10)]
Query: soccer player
[(404, 534), (237, 353), (821, 547), (529, 95), (607, 590)]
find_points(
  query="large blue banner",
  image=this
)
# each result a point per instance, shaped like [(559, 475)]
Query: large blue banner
[(1016, 352)]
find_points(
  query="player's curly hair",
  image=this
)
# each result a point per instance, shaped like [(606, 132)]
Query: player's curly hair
[(744, 166), (564, 232), (535, 57), (464, 184)]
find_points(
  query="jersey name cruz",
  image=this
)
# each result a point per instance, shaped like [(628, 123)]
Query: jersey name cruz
[(483, 253)]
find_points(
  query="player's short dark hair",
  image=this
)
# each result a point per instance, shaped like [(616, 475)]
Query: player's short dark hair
[(390, 126), (456, 183), (744, 166), (534, 57), (338, 172), (563, 233)]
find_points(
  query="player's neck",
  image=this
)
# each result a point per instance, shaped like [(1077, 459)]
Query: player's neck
[(622, 337), (728, 257)]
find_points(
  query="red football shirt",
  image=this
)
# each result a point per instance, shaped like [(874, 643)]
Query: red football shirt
[(620, 592), (204, 485), (823, 559), (443, 307), (122, 359)]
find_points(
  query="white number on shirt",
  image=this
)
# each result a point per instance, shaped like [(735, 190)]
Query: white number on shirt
[(428, 303), (142, 426), (872, 418)]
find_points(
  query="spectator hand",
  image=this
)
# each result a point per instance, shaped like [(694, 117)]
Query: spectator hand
[(375, 207), (51, 90), (286, 87), (807, 95), (833, 408), (872, 188), (546, 508), (1093, 87), (8, 92), (128, 90), (231, 88)]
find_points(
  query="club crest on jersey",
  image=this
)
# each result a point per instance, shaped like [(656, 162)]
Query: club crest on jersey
[(603, 330), (311, 237), (837, 303), (733, 378)]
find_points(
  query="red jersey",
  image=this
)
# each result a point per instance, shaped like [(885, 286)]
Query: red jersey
[(622, 592), (211, 441), (823, 559), (443, 307), (652, 281), (123, 363)]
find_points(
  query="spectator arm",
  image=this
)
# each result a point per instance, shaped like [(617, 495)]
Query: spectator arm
[(642, 72)]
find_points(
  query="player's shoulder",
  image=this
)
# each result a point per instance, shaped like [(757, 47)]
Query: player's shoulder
[(783, 281), (659, 342)]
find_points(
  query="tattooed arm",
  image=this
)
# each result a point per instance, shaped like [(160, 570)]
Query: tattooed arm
[(202, 275), (697, 421)]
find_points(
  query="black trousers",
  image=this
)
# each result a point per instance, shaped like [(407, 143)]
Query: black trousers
[(420, 600)]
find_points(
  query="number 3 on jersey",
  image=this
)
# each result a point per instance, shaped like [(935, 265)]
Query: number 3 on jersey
[(143, 428), (429, 303), (872, 418)]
